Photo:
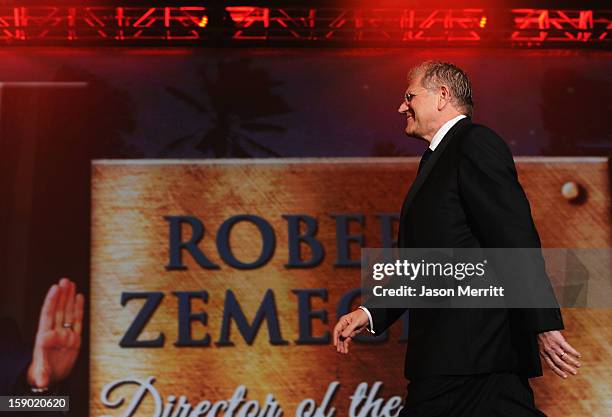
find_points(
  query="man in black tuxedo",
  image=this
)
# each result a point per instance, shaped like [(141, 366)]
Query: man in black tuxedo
[(465, 362)]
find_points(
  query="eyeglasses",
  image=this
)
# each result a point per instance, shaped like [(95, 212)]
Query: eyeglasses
[(408, 97)]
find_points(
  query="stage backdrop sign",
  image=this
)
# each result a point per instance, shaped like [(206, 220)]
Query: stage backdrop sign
[(216, 284)]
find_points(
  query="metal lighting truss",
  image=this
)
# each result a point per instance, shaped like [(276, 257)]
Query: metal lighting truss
[(327, 26)]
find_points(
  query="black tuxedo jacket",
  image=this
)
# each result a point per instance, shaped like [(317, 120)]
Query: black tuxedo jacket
[(467, 195)]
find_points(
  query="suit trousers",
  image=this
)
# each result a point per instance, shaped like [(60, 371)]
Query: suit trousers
[(502, 394)]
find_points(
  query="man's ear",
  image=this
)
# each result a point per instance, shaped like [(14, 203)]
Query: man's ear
[(444, 98)]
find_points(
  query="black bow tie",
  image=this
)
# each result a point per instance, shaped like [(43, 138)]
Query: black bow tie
[(424, 159)]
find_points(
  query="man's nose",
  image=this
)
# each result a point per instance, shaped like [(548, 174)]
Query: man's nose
[(403, 108)]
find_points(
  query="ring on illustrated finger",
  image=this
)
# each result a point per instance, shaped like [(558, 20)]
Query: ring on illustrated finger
[(562, 354)]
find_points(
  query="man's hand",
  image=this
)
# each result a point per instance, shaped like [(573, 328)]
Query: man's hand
[(558, 354), (58, 338), (348, 327)]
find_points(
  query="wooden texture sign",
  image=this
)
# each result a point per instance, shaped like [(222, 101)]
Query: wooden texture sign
[(216, 284)]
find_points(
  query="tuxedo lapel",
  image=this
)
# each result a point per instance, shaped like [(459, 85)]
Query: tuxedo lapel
[(431, 162)]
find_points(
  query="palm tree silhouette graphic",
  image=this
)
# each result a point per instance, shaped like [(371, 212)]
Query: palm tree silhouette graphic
[(235, 100)]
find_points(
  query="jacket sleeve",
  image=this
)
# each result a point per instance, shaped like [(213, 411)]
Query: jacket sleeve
[(14, 358), (382, 318), (497, 208)]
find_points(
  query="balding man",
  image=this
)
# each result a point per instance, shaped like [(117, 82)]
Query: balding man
[(465, 362)]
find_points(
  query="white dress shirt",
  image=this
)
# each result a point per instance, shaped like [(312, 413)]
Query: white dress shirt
[(435, 141), (437, 138)]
